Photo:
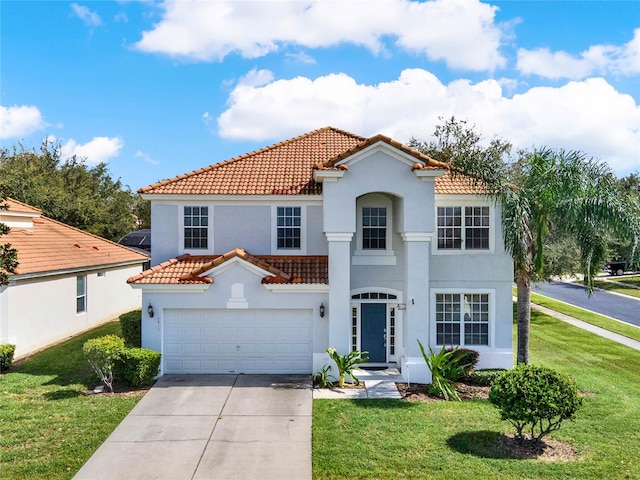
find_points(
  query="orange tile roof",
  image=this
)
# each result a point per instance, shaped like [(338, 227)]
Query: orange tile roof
[(187, 269), (286, 168), (19, 207), (51, 246), (449, 184)]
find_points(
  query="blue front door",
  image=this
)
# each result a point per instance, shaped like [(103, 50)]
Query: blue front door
[(373, 324)]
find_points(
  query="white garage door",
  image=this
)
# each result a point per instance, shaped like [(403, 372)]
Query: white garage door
[(237, 341)]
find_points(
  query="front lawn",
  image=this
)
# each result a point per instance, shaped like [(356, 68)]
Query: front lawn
[(376, 439), (49, 426)]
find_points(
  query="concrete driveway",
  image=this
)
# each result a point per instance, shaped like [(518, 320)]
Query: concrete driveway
[(255, 427)]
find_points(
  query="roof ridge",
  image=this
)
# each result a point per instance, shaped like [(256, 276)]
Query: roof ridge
[(244, 156)]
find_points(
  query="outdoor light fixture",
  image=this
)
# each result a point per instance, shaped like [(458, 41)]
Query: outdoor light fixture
[(150, 311), (402, 306), (322, 310)]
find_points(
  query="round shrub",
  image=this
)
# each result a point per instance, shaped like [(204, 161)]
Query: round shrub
[(464, 356), (102, 353), (536, 398)]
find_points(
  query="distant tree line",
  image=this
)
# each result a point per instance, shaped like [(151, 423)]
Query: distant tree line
[(72, 192)]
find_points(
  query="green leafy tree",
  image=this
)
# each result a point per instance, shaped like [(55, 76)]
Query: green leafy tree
[(70, 191), (8, 255), (576, 195)]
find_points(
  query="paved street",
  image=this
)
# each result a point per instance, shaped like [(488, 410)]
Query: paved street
[(619, 307)]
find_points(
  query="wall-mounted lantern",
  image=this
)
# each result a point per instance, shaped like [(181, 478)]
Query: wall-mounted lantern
[(150, 311), (322, 310)]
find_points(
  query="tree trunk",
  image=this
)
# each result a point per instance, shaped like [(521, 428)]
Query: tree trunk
[(523, 283)]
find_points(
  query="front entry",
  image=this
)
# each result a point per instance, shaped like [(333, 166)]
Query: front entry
[(373, 331)]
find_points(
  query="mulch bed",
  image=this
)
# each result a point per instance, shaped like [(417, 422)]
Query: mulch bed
[(419, 392)]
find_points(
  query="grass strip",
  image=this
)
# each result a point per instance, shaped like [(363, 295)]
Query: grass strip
[(587, 316), (617, 287)]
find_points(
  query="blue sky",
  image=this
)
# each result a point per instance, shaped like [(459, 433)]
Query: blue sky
[(156, 89)]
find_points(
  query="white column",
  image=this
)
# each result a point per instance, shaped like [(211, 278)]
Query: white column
[(416, 316), (339, 290)]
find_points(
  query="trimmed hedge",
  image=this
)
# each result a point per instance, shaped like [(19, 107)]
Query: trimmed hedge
[(6, 356), (102, 353), (131, 326), (485, 377), (138, 366)]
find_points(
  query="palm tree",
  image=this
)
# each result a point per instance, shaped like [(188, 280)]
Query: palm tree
[(580, 196)]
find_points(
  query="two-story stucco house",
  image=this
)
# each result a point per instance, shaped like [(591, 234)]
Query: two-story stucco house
[(327, 239)]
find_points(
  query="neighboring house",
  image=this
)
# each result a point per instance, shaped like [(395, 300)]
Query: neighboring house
[(67, 281), (327, 239), (139, 240)]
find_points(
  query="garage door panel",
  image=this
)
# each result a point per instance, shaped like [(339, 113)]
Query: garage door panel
[(238, 341)]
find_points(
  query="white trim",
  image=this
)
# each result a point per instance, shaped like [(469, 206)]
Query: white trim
[(463, 291), (417, 236), (274, 230), (260, 272), (172, 288), (216, 199), (462, 202), (338, 236), (69, 271), (210, 240), (380, 146), (321, 176), (426, 175), (296, 287)]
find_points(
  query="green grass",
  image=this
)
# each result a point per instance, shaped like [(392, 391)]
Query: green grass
[(377, 439), (587, 316), (48, 427), (630, 280), (618, 287)]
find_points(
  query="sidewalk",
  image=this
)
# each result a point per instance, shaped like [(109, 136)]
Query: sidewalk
[(629, 342), (378, 384)]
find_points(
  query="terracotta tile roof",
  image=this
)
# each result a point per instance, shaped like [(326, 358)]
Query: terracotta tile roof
[(286, 168), (51, 246), (426, 161), (19, 207), (449, 184), (281, 169), (187, 269)]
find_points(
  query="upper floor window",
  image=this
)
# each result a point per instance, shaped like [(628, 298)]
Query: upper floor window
[(81, 293), (463, 228), (462, 319), (374, 228), (196, 227), (289, 227)]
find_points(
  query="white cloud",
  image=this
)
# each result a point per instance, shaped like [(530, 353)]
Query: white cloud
[(88, 16), (590, 115), (97, 150), (597, 60), (19, 121), (301, 57), (460, 32), (147, 158)]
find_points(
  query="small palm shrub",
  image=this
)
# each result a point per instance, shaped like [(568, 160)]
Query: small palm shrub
[(323, 378), (535, 398), (6, 356), (346, 364), (446, 367), (131, 326), (102, 353)]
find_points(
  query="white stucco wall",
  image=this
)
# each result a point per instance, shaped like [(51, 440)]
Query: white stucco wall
[(38, 312)]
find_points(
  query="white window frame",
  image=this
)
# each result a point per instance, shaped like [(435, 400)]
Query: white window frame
[(303, 230), (183, 227), (374, 256), (462, 202), (82, 296), (462, 292)]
